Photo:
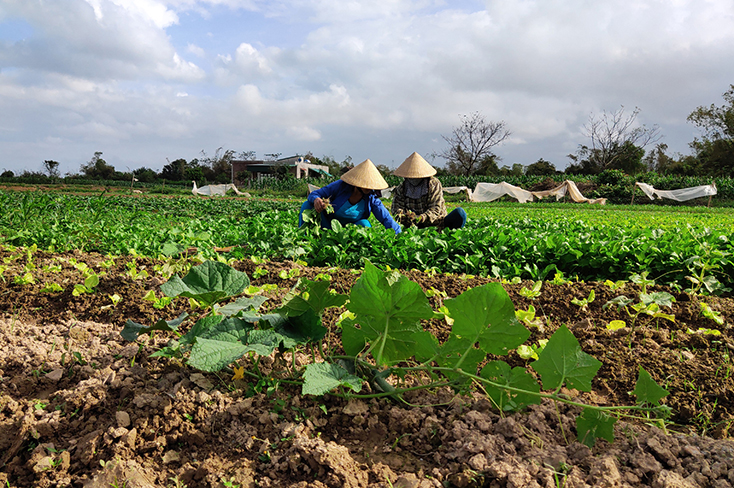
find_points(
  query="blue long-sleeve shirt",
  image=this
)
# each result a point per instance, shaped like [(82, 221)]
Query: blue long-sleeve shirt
[(339, 192)]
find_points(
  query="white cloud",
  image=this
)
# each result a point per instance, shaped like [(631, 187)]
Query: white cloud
[(250, 62), (195, 50), (180, 70), (362, 77)]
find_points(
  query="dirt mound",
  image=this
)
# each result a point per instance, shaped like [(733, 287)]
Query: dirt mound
[(81, 407)]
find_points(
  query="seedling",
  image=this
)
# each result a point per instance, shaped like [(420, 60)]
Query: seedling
[(641, 279), (532, 351), (649, 305), (159, 303), (25, 279), (133, 272), (615, 285), (616, 325), (704, 331), (51, 268), (559, 279), (107, 263), (529, 319), (584, 302), (532, 293), (51, 288), (230, 483), (289, 273), (89, 286), (259, 272), (709, 313)]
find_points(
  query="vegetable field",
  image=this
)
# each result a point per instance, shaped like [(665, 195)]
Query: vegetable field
[(210, 342)]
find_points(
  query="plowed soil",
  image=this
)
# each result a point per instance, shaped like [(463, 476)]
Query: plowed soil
[(81, 407)]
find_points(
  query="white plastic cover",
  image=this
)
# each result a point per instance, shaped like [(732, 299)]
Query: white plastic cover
[(487, 192), (678, 195), (569, 187), (215, 190)]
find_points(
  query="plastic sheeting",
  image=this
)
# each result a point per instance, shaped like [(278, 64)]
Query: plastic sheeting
[(678, 195), (215, 190), (569, 187), (487, 192)]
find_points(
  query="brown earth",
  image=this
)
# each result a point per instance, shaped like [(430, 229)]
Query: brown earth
[(80, 406)]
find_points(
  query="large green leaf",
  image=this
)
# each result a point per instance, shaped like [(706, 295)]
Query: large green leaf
[(647, 390), (228, 342), (460, 353), (388, 309), (200, 328), (132, 330), (321, 378), (562, 360), (486, 315), (662, 298), (208, 283), (499, 372), (316, 296), (592, 424), (212, 355), (243, 303), (230, 329), (301, 329)]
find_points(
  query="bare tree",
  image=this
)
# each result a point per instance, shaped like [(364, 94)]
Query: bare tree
[(612, 133), (471, 143)]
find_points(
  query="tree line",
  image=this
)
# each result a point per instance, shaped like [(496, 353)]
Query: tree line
[(616, 142)]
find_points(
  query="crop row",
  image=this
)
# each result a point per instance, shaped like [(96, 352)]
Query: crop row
[(689, 249)]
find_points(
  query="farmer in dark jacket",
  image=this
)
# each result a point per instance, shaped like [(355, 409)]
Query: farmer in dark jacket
[(352, 199), (418, 200)]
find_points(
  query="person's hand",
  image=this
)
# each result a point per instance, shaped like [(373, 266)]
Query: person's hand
[(319, 205)]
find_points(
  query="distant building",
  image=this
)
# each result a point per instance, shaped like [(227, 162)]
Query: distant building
[(242, 170)]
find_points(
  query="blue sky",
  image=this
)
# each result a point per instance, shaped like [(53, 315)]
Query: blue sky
[(148, 81)]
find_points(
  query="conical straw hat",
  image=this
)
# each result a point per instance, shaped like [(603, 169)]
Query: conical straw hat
[(415, 167), (365, 175)]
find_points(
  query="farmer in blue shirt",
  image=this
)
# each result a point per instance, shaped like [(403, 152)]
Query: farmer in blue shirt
[(352, 199)]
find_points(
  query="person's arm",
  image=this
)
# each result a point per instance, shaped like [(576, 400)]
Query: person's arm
[(317, 196), (382, 215), (436, 205)]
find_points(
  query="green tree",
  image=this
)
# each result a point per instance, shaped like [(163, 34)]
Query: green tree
[(541, 167), (174, 171), (715, 149), (52, 168), (194, 171), (487, 167), (145, 175), (658, 161), (472, 142), (97, 168), (517, 169)]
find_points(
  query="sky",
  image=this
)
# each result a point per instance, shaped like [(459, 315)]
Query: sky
[(147, 82)]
